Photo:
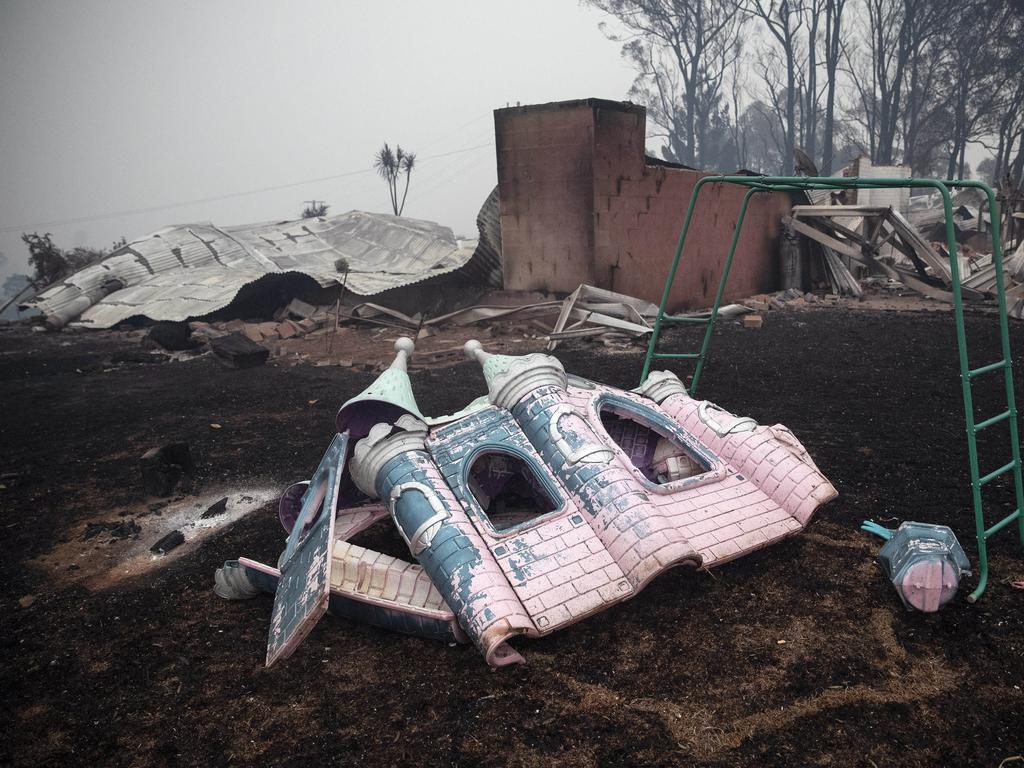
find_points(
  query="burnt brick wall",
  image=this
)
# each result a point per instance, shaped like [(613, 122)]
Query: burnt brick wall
[(580, 204), (545, 180)]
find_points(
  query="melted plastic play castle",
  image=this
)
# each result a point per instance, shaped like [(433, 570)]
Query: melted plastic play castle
[(548, 500)]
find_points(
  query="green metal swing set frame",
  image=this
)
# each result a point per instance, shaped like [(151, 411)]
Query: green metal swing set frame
[(767, 184)]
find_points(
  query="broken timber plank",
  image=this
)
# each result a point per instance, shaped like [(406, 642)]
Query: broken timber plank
[(820, 237), (923, 248), (838, 272), (832, 211), (851, 234), (563, 315), (606, 320)]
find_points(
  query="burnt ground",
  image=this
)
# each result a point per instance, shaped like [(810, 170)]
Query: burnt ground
[(798, 655)]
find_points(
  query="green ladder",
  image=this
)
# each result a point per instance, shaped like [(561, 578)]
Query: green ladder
[(767, 184)]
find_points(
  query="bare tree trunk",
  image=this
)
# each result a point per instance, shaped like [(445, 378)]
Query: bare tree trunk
[(691, 116), (890, 53), (1017, 168), (1000, 158), (790, 127), (959, 118), (783, 21), (405, 192), (810, 109), (833, 48), (739, 138), (913, 112)]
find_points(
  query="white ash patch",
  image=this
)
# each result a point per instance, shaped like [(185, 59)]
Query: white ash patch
[(99, 557)]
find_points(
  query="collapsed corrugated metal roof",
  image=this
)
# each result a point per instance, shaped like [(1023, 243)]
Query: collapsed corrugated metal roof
[(192, 270)]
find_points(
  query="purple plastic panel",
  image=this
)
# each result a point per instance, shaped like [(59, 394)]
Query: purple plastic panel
[(637, 441), (304, 589), (359, 417), (290, 505)]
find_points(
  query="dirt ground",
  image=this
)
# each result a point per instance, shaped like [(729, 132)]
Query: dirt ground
[(797, 655)]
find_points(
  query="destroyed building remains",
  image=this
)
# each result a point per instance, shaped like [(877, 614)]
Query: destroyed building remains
[(190, 271), (578, 202)]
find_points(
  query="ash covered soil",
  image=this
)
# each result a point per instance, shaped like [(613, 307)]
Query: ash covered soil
[(800, 654)]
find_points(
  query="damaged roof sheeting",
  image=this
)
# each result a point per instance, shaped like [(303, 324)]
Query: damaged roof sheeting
[(191, 270)]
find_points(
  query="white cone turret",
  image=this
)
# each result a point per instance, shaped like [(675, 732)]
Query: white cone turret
[(511, 378), (388, 397)]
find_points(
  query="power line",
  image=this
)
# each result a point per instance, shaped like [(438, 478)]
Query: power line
[(215, 198), (430, 172), (447, 136), (450, 175), (152, 208)]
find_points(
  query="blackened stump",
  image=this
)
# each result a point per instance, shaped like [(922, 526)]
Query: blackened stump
[(165, 467), (238, 351)]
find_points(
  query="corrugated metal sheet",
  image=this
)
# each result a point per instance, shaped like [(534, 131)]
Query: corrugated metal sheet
[(819, 196), (485, 266), (192, 270)]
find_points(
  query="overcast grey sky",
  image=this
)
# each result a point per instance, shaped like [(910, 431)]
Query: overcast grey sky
[(112, 106)]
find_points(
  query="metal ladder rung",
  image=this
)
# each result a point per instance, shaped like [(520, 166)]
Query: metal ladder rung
[(677, 355), (993, 475), (986, 369), (1002, 523), (685, 319), (994, 420)]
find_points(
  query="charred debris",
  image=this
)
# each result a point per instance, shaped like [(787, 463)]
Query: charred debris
[(889, 241), (311, 290)]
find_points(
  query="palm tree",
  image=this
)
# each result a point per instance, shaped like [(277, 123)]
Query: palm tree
[(391, 165)]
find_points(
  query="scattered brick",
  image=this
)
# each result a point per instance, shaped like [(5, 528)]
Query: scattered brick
[(301, 309), (286, 329)]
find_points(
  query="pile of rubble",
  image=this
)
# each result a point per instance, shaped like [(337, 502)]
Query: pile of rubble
[(611, 319), (605, 317), (877, 242), (588, 312), (297, 319), (790, 298), (752, 309)]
